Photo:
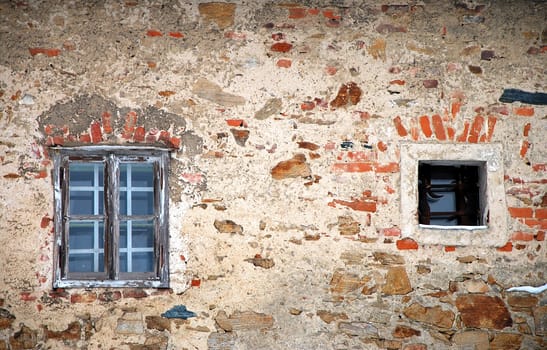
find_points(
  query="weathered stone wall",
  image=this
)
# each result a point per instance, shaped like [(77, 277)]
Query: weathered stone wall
[(285, 187)]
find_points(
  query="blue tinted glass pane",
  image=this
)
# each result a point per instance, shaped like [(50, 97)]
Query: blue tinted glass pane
[(123, 234), (82, 202), (136, 245), (86, 189), (86, 174), (80, 262), (142, 175), (142, 203), (123, 174), (143, 262), (123, 202), (86, 246), (123, 262), (143, 234)]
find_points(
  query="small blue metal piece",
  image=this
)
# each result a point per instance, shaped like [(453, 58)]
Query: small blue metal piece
[(346, 144), (533, 98), (178, 311)]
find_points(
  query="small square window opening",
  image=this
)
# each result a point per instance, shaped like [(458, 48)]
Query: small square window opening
[(452, 193), (111, 210)]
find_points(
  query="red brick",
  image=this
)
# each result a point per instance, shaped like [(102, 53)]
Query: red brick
[(506, 248), (165, 136), (307, 106), (58, 140), (284, 63), (491, 125), (463, 136), (175, 142), (381, 146), (176, 35), (450, 132), (521, 212), (278, 36), (438, 127), (359, 205), (542, 224), (426, 127), (540, 213), (134, 293), (400, 127), (526, 129), (297, 12), (330, 70), (129, 126), (539, 167), (40, 50), (391, 232), (330, 14), (281, 47), (522, 236), (196, 282), (107, 122), (359, 167), (139, 134), (27, 296), (86, 297), (406, 244), (430, 84), (414, 132), (455, 109), (96, 133), (476, 128), (449, 248), (313, 11), (153, 33), (235, 35), (48, 129), (524, 148), (540, 236), (387, 168), (109, 296), (85, 138), (235, 122), (45, 221), (397, 82), (524, 111)]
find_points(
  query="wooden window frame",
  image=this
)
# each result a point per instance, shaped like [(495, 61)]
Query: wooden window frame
[(111, 157)]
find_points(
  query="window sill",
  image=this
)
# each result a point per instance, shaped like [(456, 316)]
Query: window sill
[(441, 227)]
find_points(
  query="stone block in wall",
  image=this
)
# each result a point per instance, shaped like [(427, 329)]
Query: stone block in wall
[(244, 320), (540, 320), (130, 323), (506, 341), (434, 316), (6, 319), (359, 329), (397, 282), (221, 341), (477, 340), (25, 338), (482, 311)]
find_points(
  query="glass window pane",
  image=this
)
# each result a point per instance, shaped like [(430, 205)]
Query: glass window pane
[(86, 196), (136, 246), (142, 203), (142, 175), (143, 262), (136, 188), (86, 246)]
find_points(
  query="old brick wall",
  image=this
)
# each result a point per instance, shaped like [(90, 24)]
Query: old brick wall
[(287, 120)]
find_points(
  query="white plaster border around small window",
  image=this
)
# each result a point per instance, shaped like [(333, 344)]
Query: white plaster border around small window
[(494, 234)]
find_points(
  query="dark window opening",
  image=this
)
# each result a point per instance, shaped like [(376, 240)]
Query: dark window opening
[(451, 193)]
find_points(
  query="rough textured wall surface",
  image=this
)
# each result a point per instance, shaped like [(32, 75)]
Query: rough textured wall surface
[(287, 120)]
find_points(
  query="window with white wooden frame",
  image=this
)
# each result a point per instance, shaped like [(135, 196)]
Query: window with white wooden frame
[(111, 213), (453, 194)]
